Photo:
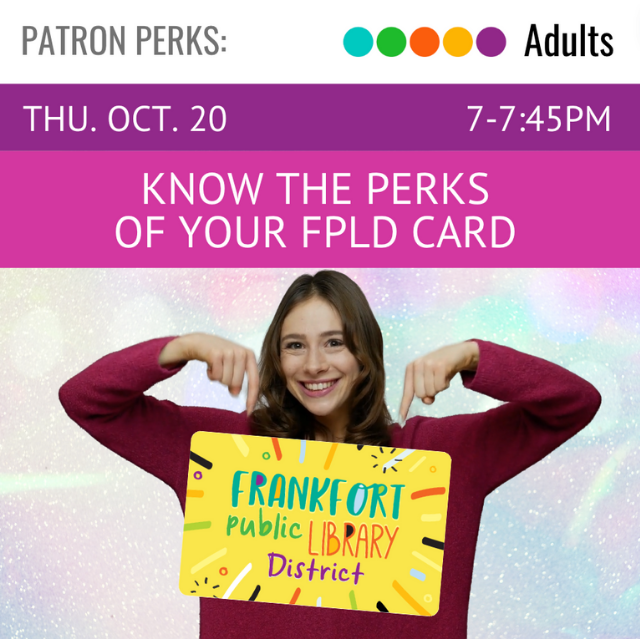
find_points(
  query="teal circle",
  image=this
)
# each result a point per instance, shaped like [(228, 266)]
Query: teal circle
[(358, 42), (391, 42)]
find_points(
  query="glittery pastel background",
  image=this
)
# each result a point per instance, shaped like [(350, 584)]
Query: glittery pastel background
[(90, 545)]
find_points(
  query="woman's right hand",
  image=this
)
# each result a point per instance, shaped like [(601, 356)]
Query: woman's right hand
[(227, 362)]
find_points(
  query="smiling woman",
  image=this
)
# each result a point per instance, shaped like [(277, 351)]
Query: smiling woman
[(319, 369), (322, 366), (321, 376)]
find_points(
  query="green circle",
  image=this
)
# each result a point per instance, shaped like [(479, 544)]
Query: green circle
[(391, 42), (266, 455)]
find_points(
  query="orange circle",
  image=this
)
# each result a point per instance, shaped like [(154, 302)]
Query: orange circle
[(433, 469), (457, 42), (223, 571), (424, 42)]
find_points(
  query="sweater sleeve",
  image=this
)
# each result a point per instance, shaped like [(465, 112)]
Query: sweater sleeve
[(545, 405), (107, 400)]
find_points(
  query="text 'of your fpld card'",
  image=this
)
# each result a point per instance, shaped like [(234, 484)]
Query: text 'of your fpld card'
[(315, 523)]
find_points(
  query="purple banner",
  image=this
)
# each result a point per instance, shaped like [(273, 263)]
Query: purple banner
[(319, 117)]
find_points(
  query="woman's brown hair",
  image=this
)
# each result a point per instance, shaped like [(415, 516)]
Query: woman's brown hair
[(279, 414)]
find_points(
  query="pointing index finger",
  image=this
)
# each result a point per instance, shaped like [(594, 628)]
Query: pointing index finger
[(408, 393), (253, 382)]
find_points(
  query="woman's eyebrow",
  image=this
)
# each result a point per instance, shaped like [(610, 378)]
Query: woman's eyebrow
[(326, 334), (300, 336), (292, 336)]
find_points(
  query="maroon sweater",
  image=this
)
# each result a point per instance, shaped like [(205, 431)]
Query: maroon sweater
[(545, 405)]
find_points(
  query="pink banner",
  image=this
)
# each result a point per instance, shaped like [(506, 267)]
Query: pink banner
[(340, 209)]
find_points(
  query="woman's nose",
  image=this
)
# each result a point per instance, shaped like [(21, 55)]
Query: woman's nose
[(316, 361)]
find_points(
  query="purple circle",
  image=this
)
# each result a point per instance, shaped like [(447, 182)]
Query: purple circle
[(491, 42), (198, 475)]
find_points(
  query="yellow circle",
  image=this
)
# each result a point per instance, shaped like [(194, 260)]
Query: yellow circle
[(428, 598), (433, 469), (457, 42)]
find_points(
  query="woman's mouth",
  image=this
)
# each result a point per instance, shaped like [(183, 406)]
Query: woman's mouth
[(318, 388)]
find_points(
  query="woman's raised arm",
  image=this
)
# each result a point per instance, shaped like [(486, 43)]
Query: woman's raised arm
[(108, 400), (544, 405)]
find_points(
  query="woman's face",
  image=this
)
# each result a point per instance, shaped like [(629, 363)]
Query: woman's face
[(319, 368)]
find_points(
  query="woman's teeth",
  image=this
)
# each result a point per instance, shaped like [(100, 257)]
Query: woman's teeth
[(318, 386)]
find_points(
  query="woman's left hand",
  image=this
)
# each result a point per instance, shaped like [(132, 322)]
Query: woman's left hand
[(427, 376)]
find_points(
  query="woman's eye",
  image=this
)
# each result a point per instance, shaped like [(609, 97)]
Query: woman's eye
[(335, 343), (293, 345)]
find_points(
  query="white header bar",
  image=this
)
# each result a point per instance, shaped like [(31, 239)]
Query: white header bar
[(288, 41)]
